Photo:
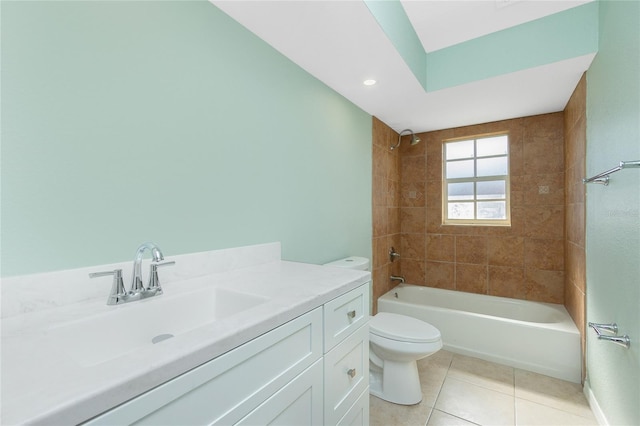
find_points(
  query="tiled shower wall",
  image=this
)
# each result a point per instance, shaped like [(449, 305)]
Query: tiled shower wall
[(386, 208), (575, 254), (534, 259), (524, 261)]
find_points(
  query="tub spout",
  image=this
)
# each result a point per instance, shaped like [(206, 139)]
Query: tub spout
[(397, 278)]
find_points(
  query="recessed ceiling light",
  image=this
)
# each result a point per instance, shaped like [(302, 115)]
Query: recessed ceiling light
[(369, 82)]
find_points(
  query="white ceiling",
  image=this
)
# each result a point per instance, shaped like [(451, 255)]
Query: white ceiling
[(341, 44)]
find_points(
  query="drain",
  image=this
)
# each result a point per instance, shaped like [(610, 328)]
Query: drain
[(160, 337)]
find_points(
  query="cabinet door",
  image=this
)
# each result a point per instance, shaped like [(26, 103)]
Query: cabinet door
[(346, 374), (298, 403), (224, 390)]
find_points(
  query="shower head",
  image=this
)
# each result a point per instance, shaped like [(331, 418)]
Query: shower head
[(414, 139)]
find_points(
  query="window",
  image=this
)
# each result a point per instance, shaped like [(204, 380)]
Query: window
[(476, 181)]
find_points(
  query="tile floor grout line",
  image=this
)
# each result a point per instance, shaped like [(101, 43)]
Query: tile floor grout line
[(457, 417), (435, 400), (551, 406)]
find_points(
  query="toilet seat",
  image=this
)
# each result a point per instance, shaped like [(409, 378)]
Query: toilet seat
[(402, 328)]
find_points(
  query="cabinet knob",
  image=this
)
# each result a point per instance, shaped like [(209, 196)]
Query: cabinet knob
[(351, 314), (352, 372)]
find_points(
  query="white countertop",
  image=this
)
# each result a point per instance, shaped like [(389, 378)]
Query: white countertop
[(41, 384)]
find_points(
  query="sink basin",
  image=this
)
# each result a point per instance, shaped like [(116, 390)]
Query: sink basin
[(125, 328)]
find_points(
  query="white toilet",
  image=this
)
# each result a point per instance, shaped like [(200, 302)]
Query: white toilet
[(396, 342)]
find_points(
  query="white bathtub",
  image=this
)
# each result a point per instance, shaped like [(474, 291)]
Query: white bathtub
[(539, 337)]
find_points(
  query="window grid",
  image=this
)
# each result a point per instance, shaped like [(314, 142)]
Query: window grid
[(505, 220)]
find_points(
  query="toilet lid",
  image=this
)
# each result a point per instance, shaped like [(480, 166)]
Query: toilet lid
[(403, 328)]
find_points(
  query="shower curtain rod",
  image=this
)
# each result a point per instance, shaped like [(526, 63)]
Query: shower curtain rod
[(603, 178)]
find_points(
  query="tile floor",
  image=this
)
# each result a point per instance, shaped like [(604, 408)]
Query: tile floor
[(460, 390)]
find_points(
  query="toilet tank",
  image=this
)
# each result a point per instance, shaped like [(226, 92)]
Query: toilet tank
[(351, 262)]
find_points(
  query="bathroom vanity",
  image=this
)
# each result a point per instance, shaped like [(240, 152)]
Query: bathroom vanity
[(288, 344)]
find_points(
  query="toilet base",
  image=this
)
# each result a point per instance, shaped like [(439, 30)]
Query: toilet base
[(398, 382)]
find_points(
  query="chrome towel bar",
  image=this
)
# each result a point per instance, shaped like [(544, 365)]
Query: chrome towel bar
[(603, 178), (600, 329)]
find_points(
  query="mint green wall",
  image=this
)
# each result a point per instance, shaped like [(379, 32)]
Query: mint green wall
[(613, 212), (394, 21), (564, 35), (124, 122)]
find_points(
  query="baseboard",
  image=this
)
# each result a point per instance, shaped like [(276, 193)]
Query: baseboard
[(595, 407)]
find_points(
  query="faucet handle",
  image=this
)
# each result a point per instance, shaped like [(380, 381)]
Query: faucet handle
[(117, 288), (154, 281)]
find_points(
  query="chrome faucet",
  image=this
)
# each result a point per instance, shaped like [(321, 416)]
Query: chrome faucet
[(138, 291), (136, 278), (397, 278)]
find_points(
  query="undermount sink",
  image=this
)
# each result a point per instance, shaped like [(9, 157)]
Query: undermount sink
[(99, 338)]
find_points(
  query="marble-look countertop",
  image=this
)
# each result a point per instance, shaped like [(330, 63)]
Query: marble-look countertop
[(43, 384)]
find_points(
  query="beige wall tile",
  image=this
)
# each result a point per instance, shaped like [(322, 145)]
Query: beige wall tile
[(393, 193), (506, 282), (433, 194), (413, 271), (535, 195), (394, 220), (434, 219), (544, 286), (378, 247), (440, 247), (576, 106), (544, 254), (505, 251), (576, 266), (535, 237), (544, 144), (440, 275), (412, 246), (379, 193), (412, 194), (544, 222), (413, 219), (517, 190), (516, 150), (380, 221), (575, 220), (471, 249), (379, 166), (574, 300), (471, 278), (413, 169)]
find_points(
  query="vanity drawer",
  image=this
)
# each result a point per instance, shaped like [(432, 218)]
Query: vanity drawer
[(358, 414), (346, 374), (344, 314), (227, 388)]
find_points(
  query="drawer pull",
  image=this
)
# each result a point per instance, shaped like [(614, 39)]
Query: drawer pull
[(351, 314), (352, 372)]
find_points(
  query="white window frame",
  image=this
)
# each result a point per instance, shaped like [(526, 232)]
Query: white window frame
[(445, 183)]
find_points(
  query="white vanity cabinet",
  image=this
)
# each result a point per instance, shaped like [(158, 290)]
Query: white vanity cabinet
[(346, 358), (312, 370)]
